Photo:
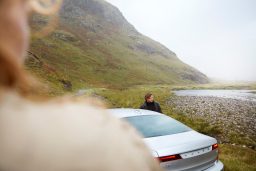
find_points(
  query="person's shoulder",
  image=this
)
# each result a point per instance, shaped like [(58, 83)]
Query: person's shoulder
[(143, 105), (157, 103)]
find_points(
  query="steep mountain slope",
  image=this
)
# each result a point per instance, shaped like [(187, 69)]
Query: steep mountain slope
[(94, 45)]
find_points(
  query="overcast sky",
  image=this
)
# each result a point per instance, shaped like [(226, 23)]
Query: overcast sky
[(218, 37)]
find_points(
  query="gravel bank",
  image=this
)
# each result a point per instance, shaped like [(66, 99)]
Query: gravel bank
[(234, 117)]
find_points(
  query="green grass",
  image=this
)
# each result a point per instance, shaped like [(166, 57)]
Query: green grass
[(237, 158), (133, 97)]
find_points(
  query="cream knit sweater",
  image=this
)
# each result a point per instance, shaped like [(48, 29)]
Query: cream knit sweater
[(67, 136)]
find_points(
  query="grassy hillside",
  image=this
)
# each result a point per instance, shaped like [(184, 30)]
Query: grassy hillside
[(94, 46)]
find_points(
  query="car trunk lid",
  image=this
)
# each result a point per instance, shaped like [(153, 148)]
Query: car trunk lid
[(195, 150)]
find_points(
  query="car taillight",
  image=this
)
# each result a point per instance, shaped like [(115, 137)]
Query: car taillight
[(169, 158), (215, 146)]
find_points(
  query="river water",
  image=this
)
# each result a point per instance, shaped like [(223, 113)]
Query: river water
[(233, 94)]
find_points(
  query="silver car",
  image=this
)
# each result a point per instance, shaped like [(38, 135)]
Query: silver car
[(176, 146)]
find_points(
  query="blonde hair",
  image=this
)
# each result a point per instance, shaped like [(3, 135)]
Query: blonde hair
[(12, 73), (46, 7), (49, 8)]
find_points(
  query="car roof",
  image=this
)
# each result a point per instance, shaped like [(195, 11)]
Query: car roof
[(127, 112)]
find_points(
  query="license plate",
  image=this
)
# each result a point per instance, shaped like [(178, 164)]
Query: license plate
[(196, 152)]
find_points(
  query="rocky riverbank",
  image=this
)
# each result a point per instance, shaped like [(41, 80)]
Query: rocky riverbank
[(235, 118)]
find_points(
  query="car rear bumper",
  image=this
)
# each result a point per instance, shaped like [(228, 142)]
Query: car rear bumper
[(218, 166)]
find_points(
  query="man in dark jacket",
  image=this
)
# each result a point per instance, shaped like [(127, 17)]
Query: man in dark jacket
[(150, 104)]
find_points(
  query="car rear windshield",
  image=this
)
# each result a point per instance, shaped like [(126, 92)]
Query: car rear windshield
[(156, 125)]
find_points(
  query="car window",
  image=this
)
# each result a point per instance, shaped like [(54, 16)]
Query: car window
[(156, 125)]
